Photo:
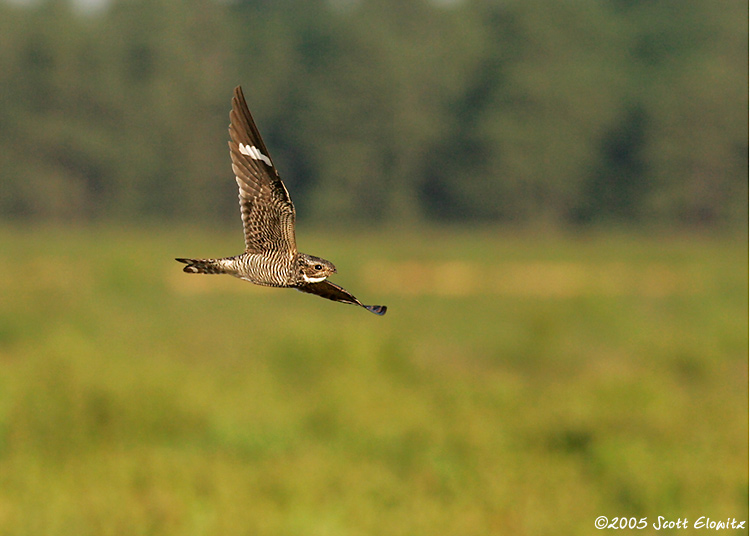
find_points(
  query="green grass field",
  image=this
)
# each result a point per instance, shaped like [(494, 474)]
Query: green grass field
[(519, 384)]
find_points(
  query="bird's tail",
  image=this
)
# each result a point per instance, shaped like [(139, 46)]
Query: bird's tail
[(202, 266)]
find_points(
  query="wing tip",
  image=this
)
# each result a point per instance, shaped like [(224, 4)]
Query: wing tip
[(379, 310)]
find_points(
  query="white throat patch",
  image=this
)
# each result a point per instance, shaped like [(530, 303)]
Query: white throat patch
[(313, 279), (255, 154)]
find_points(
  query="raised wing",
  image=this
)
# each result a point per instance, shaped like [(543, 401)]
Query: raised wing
[(326, 289), (267, 210)]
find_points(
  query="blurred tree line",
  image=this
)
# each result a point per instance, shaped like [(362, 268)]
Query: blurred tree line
[(581, 111)]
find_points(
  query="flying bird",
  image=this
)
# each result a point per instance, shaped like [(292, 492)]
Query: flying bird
[(271, 257)]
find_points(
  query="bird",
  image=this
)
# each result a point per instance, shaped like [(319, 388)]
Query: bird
[(271, 257)]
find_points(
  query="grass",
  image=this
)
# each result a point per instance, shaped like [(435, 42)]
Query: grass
[(518, 385)]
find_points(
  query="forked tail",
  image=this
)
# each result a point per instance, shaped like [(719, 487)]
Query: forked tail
[(202, 266)]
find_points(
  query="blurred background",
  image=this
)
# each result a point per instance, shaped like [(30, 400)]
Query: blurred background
[(551, 197)]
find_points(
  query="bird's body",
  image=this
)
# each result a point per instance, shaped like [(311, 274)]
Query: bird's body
[(258, 269), (269, 271), (271, 257)]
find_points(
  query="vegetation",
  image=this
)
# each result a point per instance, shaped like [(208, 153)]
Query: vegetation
[(519, 384), (522, 382), (380, 110)]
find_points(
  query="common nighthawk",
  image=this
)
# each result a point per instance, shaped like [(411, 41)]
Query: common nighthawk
[(271, 257)]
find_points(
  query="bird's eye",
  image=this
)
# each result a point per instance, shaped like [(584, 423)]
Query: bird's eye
[(318, 267)]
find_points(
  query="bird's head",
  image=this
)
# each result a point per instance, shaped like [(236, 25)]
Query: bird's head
[(315, 269)]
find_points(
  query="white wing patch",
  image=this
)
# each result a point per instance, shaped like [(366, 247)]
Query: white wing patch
[(255, 154)]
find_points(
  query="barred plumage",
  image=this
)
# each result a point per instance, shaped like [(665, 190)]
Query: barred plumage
[(271, 257), (259, 269)]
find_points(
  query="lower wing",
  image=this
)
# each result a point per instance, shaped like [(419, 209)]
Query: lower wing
[(326, 289)]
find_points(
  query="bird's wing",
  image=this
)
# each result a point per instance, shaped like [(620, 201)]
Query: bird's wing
[(267, 210), (326, 289)]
